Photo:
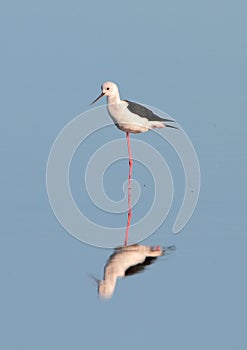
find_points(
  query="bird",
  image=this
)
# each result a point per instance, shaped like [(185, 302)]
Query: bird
[(127, 261), (130, 117)]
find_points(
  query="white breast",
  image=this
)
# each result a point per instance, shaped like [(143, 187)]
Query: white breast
[(125, 120)]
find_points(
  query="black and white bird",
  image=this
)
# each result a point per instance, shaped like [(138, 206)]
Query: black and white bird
[(127, 261), (130, 116)]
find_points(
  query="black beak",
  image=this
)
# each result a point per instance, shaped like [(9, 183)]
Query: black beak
[(101, 95), (94, 278)]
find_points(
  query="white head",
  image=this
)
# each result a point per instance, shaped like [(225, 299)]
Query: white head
[(109, 89), (106, 289)]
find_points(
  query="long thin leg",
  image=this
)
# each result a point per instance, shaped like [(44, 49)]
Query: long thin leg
[(129, 190)]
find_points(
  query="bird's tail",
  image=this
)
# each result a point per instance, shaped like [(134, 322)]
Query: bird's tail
[(168, 120), (169, 249), (171, 126)]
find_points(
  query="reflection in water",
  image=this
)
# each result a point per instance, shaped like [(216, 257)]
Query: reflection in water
[(127, 261)]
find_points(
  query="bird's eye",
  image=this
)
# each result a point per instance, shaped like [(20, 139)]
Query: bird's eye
[(108, 88)]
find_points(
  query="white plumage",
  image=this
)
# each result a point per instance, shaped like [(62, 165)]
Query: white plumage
[(126, 261), (130, 116)]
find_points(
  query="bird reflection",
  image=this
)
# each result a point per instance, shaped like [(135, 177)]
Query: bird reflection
[(127, 261)]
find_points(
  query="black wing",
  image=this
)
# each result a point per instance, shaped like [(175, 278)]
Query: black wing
[(144, 112), (132, 270)]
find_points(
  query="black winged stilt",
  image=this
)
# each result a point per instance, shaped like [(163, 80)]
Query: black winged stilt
[(130, 117), (127, 261)]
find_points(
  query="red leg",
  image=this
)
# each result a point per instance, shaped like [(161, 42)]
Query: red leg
[(130, 157), (129, 191)]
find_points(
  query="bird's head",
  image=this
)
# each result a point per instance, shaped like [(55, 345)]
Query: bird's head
[(105, 290), (107, 89)]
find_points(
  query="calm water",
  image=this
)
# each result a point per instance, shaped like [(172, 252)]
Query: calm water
[(194, 70)]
